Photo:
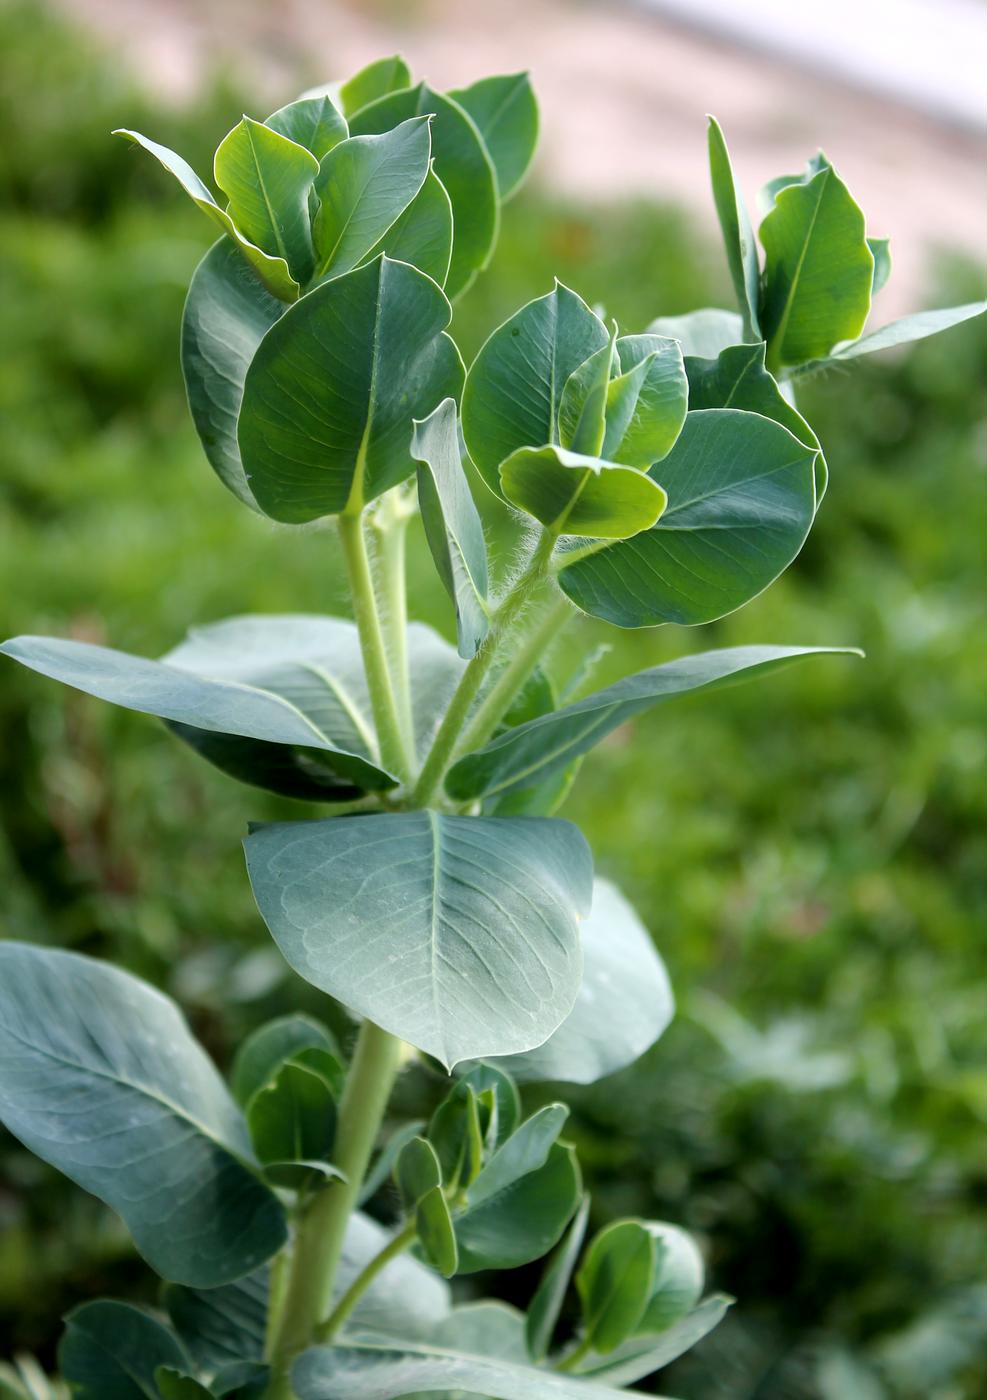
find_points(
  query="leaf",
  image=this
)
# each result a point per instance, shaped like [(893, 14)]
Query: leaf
[(704, 332), (454, 1132), (388, 1155), (422, 234), (272, 271), (110, 1351), (176, 1385), (292, 1119), (417, 1170), (642, 1356), (436, 1236), (575, 495), (330, 395), (272, 1045), (461, 163), (522, 1221), (741, 500), (818, 269), (452, 523), (243, 1380), (646, 401), (738, 235), (678, 1280), (918, 326), (546, 1305), (624, 1004), (583, 406), (484, 1078), (377, 79), (221, 1325), (542, 746), (458, 934), (514, 386), (267, 179), (614, 1282), (100, 1077), (487, 1328), (881, 250), (526, 1150), (505, 111), (362, 186), (313, 122)]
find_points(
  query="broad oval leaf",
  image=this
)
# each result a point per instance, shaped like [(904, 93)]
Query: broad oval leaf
[(738, 235), (505, 111), (100, 1076), (329, 398), (377, 79), (646, 401), (417, 1170), (523, 1220), (220, 1326), (422, 234), (615, 1281), (110, 1351), (292, 1122), (267, 179), (741, 500), (678, 1279), (458, 934), (313, 122), (532, 751), (546, 1305), (704, 333), (272, 1045), (642, 1356), (582, 496), (515, 384), (486, 1328)]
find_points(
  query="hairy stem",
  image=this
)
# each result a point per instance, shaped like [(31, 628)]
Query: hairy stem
[(363, 1280)]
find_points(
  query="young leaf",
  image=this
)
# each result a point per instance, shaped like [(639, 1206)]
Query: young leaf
[(452, 522), (436, 1236), (575, 495), (386, 1158), (487, 1328), (312, 122), (377, 79), (646, 401), (703, 333), (542, 746), (901, 332), (583, 406), (156, 1113), (678, 1279), (319, 436), (486, 1079), (506, 114), (454, 1133), (545, 1306), (417, 1170), (422, 234), (615, 1281), (267, 179), (514, 386), (386, 913), (292, 1119), (176, 1385), (524, 1151), (110, 1351), (522, 1220), (881, 250), (738, 235), (269, 1047), (641, 1356)]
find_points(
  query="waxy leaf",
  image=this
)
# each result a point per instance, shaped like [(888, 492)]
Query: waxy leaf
[(515, 384), (417, 1170), (614, 1282), (575, 495), (312, 122), (523, 1220), (463, 165), (534, 750), (220, 1326), (269, 1047), (738, 235), (487, 1328), (704, 333), (624, 1004), (642, 1356), (546, 1305), (273, 271), (330, 395), (377, 79), (918, 326), (646, 401), (452, 523), (436, 1236), (422, 234), (100, 1076), (110, 1351), (487, 1080), (819, 270), (458, 934), (267, 179), (741, 500), (678, 1280), (243, 1380), (362, 186), (524, 1151), (506, 114)]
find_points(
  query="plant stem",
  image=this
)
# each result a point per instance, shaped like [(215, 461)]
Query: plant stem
[(363, 1280), (393, 751), (321, 1231)]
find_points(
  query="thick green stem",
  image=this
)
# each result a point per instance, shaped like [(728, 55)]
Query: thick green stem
[(363, 1280), (322, 1228)]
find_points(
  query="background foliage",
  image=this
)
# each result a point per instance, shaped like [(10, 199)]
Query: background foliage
[(810, 853)]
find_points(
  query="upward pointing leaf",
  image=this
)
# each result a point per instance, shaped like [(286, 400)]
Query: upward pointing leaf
[(583, 407), (738, 235), (615, 1282), (267, 178), (313, 122), (881, 249), (110, 1351), (506, 113), (422, 234), (377, 79), (646, 402), (546, 1305)]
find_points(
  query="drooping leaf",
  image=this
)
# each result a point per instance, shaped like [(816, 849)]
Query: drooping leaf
[(881, 250), (363, 185), (458, 934), (704, 333), (325, 432), (624, 1004), (267, 179), (642, 1356), (538, 748), (100, 1076), (377, 79), (521, 1222), (313, 122), (505, 111), (273, 271), (436, 1236), (646, 401), (514, 386), (583, 496), (272, 1045), (422, 235), (110, 1351), (918, 326), (738, 235), (546, 1305), (461, 163), (615, 1281), (678, 1278), (741, 500), (223, 1325), (452, 523)]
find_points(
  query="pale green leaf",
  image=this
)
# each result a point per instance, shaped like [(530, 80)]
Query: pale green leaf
[(576, 495), (417, 1170), (678, 1279), (267, 179), (918, 326), (506, 114), (436, 1236), (704, 333), (583, 406), (881, 250), (646, 401), (642, 1356)]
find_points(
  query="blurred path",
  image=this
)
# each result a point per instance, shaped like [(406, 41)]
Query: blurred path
[(624, 94)]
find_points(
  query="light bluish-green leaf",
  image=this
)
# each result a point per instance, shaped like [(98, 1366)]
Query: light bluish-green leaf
[(377, 79), (422, 234), (484, 1079), (406, 1299), (646, 401), (546, 1305), (524, 1151), (267, 179), (362, 186), (487, 1328), (522, 1221), (110, 1351), (614, 1281), (100, 1076), (330, 396), (313, 122), (583, 496), (436, 1236), (505, 111), (704, 333), (534, 750), (515, 384), (642, 1356), (738, 235), (386, 1158), (272, 1045), (678, 1279), (458, 934), (452, 523), (881, 250)]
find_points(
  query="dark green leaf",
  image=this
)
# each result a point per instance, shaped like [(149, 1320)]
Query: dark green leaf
[(388, 1155), (264, 1051), (176, 1385), (313, 122), (422, 235), (243, 1380), (738, 235), (267, 179), (436, 1237), (221, 1325), (615, 1281), (377, 79), (546, 1305), (293, 1117), (582, 496), (110, 1351), (506, 114)]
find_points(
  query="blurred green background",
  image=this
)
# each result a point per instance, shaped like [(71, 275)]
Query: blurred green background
[(810, 852)]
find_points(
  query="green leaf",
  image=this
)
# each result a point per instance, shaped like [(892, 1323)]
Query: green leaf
[(436, 1236), (704, 333), (417, 1170), (738, 235), (487, 1328), (385, 913), (461, 163), (267, 179), (377, 79), (176, 1385), (160, 1140), (243, 1380), (221, 1325), (583, 406), (741, 500), (575, 495), (272, 271), (325, 433), (452, 523), (484, 1079), (678, 1278), (818, 270), (646, 401), (918, 326), (505, 111), (422, 234), (546, 1305), (524, 1151), (110, 1351), (362, 186), (881, 250), (641, 1356), (514, 386), (542, 746), (624, 1004), (292, 1119), (312, 122), (454, 1132), (269, 1047), (615, 1281)]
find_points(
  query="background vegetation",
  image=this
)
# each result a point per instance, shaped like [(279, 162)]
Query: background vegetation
[(810, 852)]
